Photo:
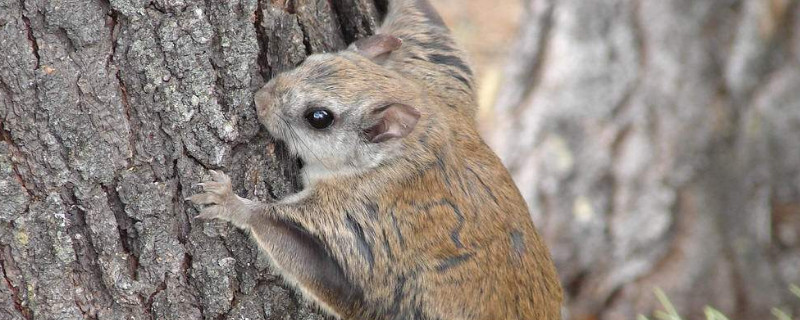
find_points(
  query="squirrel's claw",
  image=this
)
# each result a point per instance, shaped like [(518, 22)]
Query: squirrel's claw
[(210, 213), (215, 191), (205, 198)]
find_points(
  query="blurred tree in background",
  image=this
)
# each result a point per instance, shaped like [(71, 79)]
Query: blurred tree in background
[(658, 145)]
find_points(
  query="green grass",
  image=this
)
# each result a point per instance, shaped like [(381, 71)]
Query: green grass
[(670, 313)]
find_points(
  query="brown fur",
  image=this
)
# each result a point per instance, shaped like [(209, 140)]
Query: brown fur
[(430, 55), (428, 226)]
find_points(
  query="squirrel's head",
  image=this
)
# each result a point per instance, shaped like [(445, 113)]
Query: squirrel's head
[(342, 112)]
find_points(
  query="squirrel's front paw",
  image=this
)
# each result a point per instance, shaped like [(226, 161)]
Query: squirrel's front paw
[(218, 194)]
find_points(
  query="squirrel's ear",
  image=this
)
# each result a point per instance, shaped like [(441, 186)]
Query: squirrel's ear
[(377, 47), (394, 121)]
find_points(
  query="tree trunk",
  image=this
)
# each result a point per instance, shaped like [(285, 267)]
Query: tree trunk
[(658, 145), (111, 112)]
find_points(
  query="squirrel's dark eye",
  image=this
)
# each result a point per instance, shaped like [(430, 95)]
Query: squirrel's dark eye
[(319, 118)]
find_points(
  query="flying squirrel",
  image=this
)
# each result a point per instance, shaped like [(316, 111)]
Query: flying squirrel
[(406, 213)]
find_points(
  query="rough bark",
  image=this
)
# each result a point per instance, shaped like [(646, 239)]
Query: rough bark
[(111, 112), (658, 145)]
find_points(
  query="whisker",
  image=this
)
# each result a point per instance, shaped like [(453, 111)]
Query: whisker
[(302, 141)]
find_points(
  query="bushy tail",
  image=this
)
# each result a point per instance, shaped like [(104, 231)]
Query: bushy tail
[(429, 54)]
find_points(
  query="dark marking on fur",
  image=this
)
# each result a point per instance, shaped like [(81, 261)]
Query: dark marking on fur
[(517, 242), (485, 186), (439, 45), (398, 289), (372, 209), (455, 235), (454, 261), (383, 8), (405, 304), (460, 78), (397, 232), (430, 13), (361, 241), (397, 300), (410, 41), (443, 169), (423, 140), (464, 190), (418, 315), (386, 246), (451, 61), (433, 44), (435, 39)]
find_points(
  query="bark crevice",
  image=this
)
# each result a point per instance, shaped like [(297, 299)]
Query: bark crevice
[(16, 155), (24, 311), (261, 37), (125, 228), (31, 38)]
